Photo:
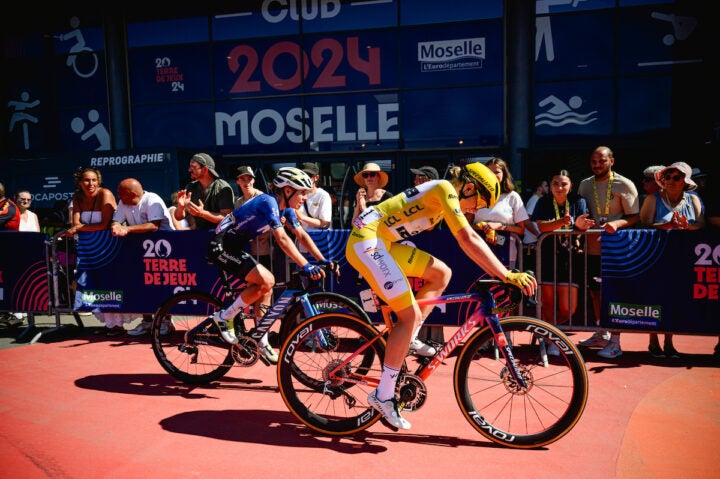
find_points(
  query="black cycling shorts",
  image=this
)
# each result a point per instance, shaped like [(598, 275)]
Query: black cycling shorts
[(233, 259)]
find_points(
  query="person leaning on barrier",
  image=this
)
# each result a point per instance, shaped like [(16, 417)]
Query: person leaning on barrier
[(613, 203), (560, 210), (375, 250), (140, 211), (227, 249), (93, 205), (9, 212), (316, 212), (671, 208), (208, 198)]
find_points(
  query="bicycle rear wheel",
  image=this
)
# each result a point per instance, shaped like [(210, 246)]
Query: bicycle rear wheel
[(325, 302), (521, 417), (209, 358), (331, 404)]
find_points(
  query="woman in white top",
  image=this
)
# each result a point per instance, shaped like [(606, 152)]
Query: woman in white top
[(508, 214), (28, 219)]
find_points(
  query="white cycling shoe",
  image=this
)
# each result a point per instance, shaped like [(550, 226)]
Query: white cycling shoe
[(389, 411)]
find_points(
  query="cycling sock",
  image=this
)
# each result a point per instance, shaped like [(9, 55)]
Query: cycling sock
[(233, 309), (386, 388)]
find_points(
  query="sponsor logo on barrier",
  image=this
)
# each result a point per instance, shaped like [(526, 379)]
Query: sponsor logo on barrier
[(635, 314), (113, 298)]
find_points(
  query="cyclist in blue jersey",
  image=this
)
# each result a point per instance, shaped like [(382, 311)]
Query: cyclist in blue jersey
[(266, 212)]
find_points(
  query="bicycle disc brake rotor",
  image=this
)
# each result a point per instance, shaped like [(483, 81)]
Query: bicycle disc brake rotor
[(246, 352), (412, 392), (512, 385)]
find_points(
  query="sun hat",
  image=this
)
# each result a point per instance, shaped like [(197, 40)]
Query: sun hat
[(203, 159), (683, 168), (244, 170), (372, 167), (427, 171), (310, 168)]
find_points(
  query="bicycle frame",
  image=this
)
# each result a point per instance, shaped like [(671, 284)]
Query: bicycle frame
[(484, 314), (277, 311)]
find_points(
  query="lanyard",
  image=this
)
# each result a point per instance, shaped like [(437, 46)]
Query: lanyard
[(607, 195), (557, 211)]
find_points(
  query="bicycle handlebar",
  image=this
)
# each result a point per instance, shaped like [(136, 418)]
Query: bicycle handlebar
[(511, 292)]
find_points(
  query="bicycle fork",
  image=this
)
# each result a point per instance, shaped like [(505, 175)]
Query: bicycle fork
[(503, 345)]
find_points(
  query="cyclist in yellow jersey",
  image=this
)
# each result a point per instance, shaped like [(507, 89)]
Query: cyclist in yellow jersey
[(374, 249)]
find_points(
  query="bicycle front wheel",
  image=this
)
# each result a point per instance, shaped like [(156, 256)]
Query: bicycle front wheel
[(498, 407), (319, 380), (208, 358)]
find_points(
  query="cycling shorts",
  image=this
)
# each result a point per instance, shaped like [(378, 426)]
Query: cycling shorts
[(233, 259), (386, 266)]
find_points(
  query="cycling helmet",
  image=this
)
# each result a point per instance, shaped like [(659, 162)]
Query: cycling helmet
[(486, 183), (293, 177)]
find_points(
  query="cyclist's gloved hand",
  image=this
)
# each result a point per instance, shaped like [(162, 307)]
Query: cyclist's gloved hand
[(333, 266), (525, 281), (314, 271)]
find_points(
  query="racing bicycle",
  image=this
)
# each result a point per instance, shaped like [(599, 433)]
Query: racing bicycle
[(528, 396), (192, 348)]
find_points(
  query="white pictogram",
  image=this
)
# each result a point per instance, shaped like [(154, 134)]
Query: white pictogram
[(559, 113), (20, 115), (82, 59), (98, 130)]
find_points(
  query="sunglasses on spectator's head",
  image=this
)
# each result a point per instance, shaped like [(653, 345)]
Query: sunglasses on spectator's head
[(25, 200), (369, 174), (675, 177)]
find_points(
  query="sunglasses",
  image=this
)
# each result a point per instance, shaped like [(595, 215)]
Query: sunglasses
[(675, 177), (25, 200), (370, 174)]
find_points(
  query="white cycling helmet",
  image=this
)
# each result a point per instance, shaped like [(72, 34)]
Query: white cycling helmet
[(292, 177)]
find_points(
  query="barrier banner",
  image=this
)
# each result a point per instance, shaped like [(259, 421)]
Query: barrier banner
[(23, 272), (661, 281), (135, 273)]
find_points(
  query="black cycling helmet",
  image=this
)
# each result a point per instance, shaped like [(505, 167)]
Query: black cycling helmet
[(486, 183), (292, 177)]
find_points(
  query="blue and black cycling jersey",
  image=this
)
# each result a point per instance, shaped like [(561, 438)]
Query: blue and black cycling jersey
[(259, 215)]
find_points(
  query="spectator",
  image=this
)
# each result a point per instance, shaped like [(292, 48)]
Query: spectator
[(561, 210), (508, 214), (532, 231), (28, 219), (9, 212), (316, 212), (179, 225), (371, 180), (649, 185), (12, 213), (227, 248), (423, 174), (93, 205), (613, 203), (673, 207), (208, 198), (139, 211)]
